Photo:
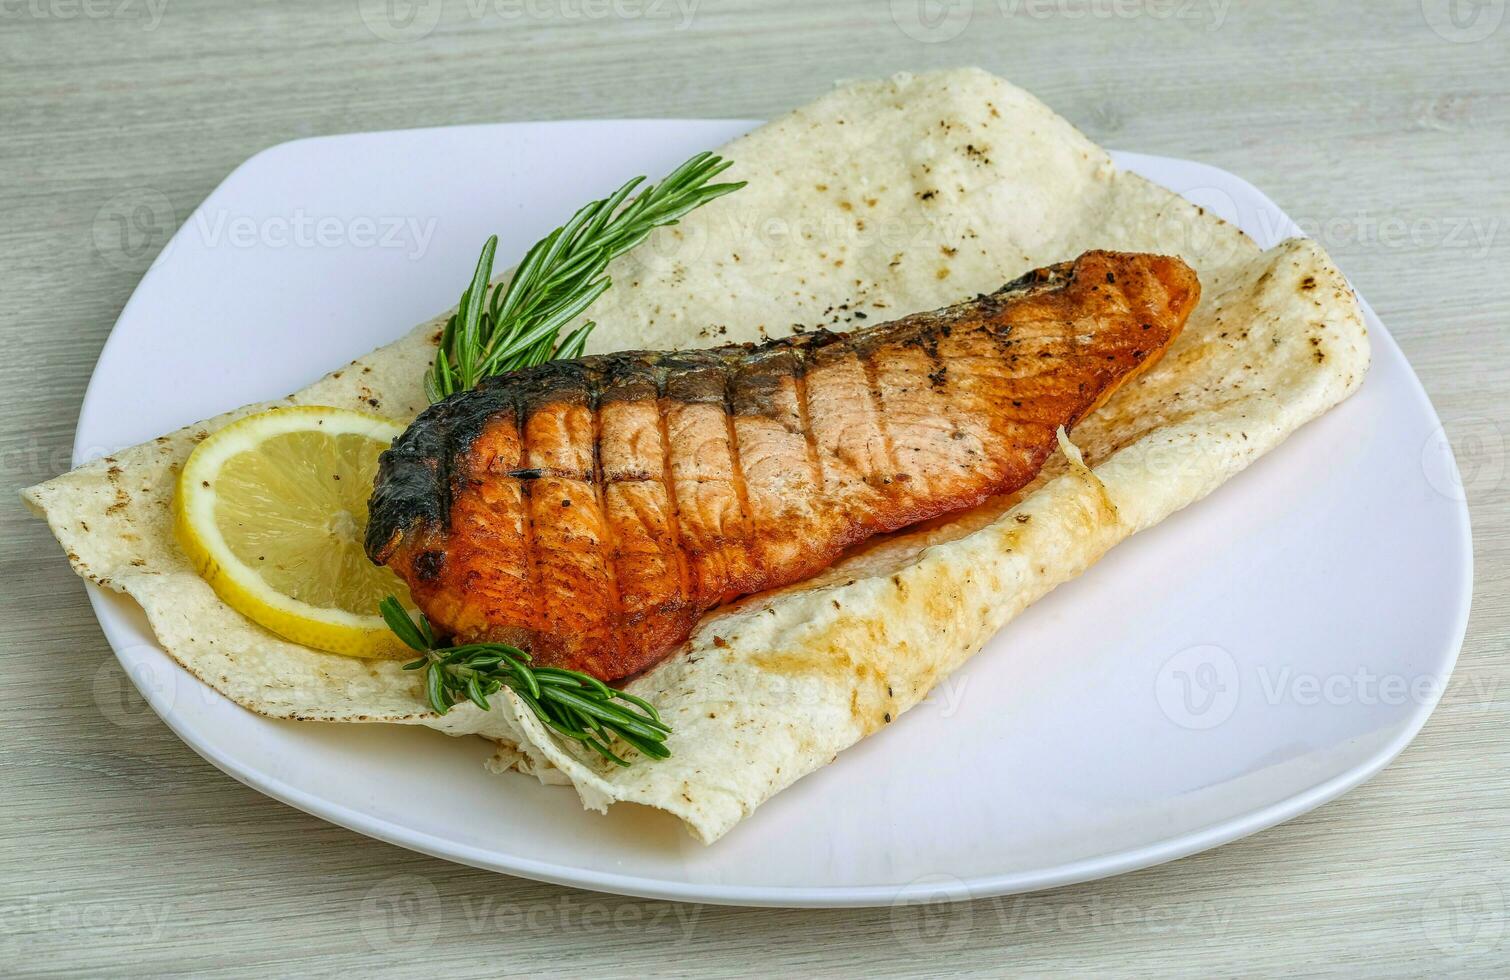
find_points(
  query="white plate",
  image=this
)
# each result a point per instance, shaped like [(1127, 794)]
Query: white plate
[(1306, 621)]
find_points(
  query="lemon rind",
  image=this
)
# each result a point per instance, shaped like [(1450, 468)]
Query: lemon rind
[(242, 586)]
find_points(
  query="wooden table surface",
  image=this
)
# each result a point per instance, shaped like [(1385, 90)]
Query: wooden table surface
[(1383, 127)]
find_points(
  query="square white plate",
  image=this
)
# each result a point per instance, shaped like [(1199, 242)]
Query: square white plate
[(1308, 617)]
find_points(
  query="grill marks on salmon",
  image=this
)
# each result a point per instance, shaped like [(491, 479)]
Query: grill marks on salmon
[(591, 510)]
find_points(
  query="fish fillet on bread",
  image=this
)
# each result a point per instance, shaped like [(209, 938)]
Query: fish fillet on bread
[(591, 510), (879, 200)]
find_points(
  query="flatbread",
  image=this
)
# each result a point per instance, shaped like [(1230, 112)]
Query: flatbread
[(882, 198)]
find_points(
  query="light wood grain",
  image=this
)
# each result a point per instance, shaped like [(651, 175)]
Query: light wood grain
[(121, 849)]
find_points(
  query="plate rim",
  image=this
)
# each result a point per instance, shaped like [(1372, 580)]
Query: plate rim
[(130, 654)]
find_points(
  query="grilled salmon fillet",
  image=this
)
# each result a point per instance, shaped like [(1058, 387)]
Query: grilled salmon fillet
[(591, 510)]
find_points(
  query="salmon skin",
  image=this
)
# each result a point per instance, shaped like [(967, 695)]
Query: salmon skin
[(591, 510)]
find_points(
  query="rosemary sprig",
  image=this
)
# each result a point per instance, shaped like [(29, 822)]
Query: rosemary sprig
[(514, 326), (569, 703)]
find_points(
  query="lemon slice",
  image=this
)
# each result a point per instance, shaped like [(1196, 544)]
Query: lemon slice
[(271, 511)]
